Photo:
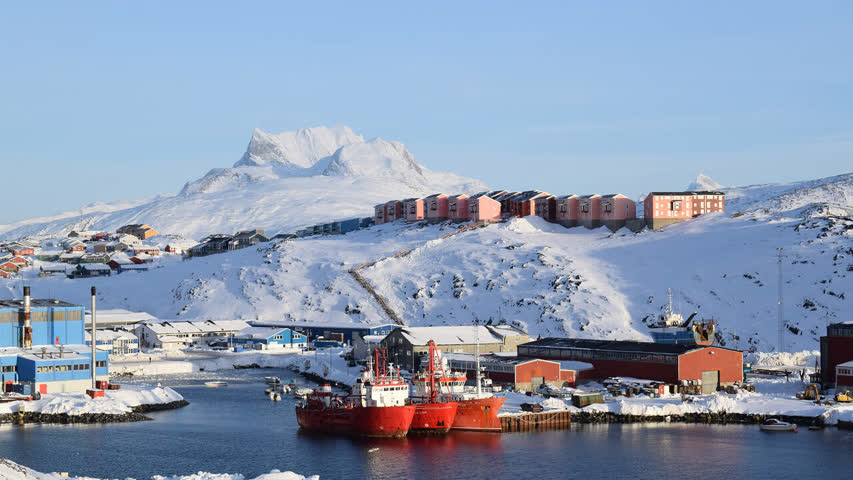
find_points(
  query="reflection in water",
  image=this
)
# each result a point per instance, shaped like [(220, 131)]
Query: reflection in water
[(238, 430)]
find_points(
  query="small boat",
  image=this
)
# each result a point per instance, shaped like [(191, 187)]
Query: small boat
[(815, 427), (775, 425), (216, 384), (301, 392), (272, 380)]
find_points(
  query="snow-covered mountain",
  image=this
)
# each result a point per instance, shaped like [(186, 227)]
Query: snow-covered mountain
[(282, 182), (704, 182)]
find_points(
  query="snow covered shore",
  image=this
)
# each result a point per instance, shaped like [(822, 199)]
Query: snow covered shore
[(326, 363), (10, 470), (125, 404), (773, 397)]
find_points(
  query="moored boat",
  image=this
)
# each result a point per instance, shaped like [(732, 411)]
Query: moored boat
[(377, 407), (216, 384), (434, 413), (776, 425), (672, 328), (477, 410)]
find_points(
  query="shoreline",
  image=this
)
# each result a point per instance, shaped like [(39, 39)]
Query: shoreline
[(136, 415)]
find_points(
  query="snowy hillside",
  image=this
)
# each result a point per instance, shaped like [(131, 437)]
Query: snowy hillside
[(281, 183), (539, 276)]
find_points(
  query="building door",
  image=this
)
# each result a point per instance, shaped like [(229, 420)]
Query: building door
[(536, 381), (710, 381)]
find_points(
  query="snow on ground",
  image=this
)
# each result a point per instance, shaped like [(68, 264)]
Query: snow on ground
[(325, 362), (10, 470), (116, 402), (544, 278), (772, 397)]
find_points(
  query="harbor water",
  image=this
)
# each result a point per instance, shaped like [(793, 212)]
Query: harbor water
[(237, 429)]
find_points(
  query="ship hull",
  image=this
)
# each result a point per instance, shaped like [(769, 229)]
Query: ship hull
[(433, 418), (478, 414), (357, 421)]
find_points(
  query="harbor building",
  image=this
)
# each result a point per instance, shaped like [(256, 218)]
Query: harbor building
[(670, 363), (115, 342), (522, 373), (407, 345), (844, 376), (42, 347), (332, 330), (270, 338), (836, 348)]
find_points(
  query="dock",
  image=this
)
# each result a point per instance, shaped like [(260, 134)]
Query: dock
[(536, 422)]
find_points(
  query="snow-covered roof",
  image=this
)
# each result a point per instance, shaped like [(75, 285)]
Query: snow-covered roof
[(258, 333), (119, 316), (222, 325), (95, 266), (574, 365), (170, 339), (111, 335), (845, 365), (373, 338), (457, 335)]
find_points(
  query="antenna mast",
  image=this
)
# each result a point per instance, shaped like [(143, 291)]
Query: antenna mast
[(781, 307)]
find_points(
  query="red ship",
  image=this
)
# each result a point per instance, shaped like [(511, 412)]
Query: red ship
[(434, 414), (477, 410), (377, 407)]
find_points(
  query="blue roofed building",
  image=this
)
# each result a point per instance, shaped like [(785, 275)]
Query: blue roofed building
[(270, 338)]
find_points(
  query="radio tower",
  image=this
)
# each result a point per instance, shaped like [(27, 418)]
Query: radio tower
[(781, 345)]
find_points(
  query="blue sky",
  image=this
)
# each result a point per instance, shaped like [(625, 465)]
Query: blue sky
[(117, 100)]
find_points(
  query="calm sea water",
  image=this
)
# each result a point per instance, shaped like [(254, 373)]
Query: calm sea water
[(238, 430)]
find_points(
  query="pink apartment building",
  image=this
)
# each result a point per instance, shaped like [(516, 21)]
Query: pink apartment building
[(436, 207), (665, 208), (615, 210), (567, 210), (483, 207), (413, 209), (546, 207), (457, 208), (589, 211), (393, 211)]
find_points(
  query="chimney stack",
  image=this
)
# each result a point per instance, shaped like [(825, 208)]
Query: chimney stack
[(27, 330), (94, 338)]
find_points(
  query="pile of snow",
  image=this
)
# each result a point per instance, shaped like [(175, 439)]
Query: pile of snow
[(10, 470), (115, 402)]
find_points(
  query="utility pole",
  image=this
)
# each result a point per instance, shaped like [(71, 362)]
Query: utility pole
[(781, 344)]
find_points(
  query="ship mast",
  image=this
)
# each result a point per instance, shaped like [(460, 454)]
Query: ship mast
[(477, 359)]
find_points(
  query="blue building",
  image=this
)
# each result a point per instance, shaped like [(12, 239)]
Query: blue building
[(330, 330), (58, 359), (54, 322), (270, 338)]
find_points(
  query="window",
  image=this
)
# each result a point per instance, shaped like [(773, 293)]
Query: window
[(608, 207), (452, 207), (675, 205), (585, 207), (44, 369), (100, 364), (473, 209), (433, 206), (413, 209), (63, 368), (9, 368), (563, 207)]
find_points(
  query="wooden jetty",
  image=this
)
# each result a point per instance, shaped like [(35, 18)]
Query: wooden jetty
[(536, 422)]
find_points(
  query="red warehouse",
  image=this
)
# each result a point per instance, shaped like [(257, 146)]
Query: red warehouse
[(844, 376), (522, 373), (835, 348), (670, 363)]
